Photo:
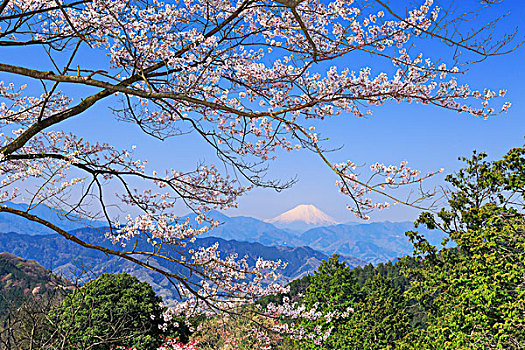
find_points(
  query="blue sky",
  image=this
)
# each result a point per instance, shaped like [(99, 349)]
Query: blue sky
[(427, 137)]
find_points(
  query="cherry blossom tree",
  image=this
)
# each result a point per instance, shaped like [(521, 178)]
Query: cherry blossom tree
[(247, 77)]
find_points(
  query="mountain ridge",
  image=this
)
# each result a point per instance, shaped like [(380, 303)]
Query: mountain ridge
[(21, 279), (67, 258), (11, 222)]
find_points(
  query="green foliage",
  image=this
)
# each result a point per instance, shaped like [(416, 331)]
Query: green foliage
[(474, 293), (466, 295), (380, 320), (380, 316), (333, 285), (111, 311), (21, 280)]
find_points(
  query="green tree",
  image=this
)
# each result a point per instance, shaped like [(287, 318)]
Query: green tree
[(466, 295), (333, 286), (110, 311), (380, 317), (474, 293)]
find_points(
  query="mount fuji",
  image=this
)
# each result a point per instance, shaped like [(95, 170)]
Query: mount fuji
[(301, 218)]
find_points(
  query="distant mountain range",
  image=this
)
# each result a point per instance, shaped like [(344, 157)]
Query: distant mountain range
[(358, 244), (248, 229), (67, 258), (371, 242), (374, 242), (14, 223)]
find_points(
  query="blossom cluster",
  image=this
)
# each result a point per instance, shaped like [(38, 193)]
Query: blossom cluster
[(381, 178), (230, 282), (290, 311)]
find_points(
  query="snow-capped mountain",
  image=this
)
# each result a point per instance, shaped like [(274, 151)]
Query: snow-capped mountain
[(302, 217)]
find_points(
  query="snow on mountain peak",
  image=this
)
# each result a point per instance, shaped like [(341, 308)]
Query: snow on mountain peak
[(304, 213)]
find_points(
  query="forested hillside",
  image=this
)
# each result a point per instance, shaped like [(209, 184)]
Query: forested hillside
[(469, 296), (69, 259), (22, 279)]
